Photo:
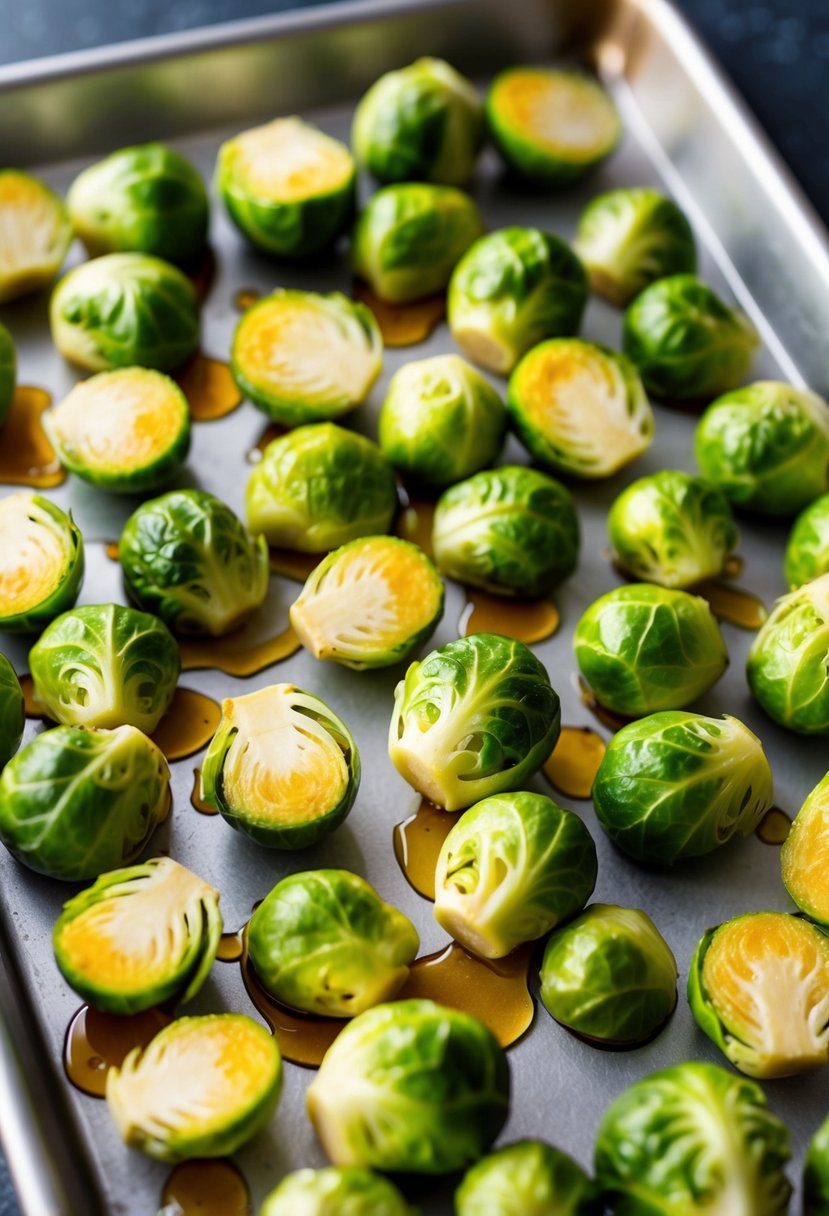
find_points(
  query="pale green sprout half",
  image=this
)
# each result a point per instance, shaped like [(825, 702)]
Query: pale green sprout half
[(12, 717), (41, 562), (804, 858), (35, 234), (788, 664), (8, 372), (528, 1178), (807, 550), (336, 1191)]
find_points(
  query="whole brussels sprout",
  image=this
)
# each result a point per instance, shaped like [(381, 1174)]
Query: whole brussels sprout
[(693, 1139), (475, 717), (816, 1173), (147, 199), (105, 665), (672, 529), (787, 663), (39, 234), (629, 238), (685, 341), (75, 803), (8, 372), (188, 558), (804, 858), (424, 122), (41, 562), (336, 1191), (319, 487), (528, 1178), (433, 1087), (12, 717), (807, 550), (676, 785), (441, 421), (124, 309), (766, 446), (512, 289)]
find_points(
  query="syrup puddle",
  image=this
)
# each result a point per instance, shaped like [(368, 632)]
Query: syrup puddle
[(414, 520), (246, 297), (231, 946), (606, 717), (774, 827), (403, 324), (571, 769), (525, 620), (274, 431), (209, 388), (292, 564), (27, 458), (417, 844), (204, 808), (235, 654), (206, 1188), (733, 604), (188, 725), (96, 1041)]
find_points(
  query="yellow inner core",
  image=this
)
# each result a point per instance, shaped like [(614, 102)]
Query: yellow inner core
[(28, 224), (286, 161), (33, 556), (561, 113), (805, 860)]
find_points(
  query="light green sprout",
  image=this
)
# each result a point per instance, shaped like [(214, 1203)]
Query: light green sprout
[(788, 664), (41, 562)]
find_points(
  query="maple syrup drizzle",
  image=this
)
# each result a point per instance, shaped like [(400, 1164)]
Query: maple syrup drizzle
[(526, 620), (291, 564), (274, 430), (27, 457), (403, 324), (415, 520), (417, 844), (231, 947), (246, 297), (607, 717), (196, 801), (774, 827), (209, 387), (571, 768), (733, 604), (235, 654), (96, 1041), (210, 1187), (188, 725)]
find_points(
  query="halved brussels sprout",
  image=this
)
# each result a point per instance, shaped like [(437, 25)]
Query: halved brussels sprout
[(139, 937), (512, 868), (643, 648), (788, 664), (759, 987), (551, 126), (676, 785), (12, 716), (75, 803), (319, 487), (125, 309), (807, 550), (41, 562), (441, 421), (410, 1086), (629, 238), (528, 1178), (188, 558), (35, 234), (8, 372), (369, 603), (475, 717), (336, 1191), (147, 199), (512, 289), (816, 1173), (685, 341), (804, 858), (609, 975), (282, 768), (202, 1088)]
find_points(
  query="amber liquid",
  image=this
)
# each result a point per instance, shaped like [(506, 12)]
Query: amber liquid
[(231, 947), (196, 801), (732, 604), (188, 725), (96, 1042), (205, 1188), (27, 458), (774, 827), (575, 760), (235, 654), (246, 297), (111, 550), (607, 717), (526, 620), (209, 387), (403, 324), (414, 521), (290, 563), (30, 707), (274, 431), (417, 844), (733, 566)]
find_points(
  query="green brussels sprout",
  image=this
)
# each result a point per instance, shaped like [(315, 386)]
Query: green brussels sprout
[(288, 187), (551, 126), (579, 408), (75, 803), (441, 421), (12, 717), (758, 986), (528, 1178), (609, 976), (345, 1191), (105, 665), (126, 431), (282, 768), (804, 858), (201, 1088), (512, 868), (685, 341), (423, 123), (370, 603), (788, 664), (433, 1086), (629, 238), (139, 937), (512, 289), (676, 785), (124, 309), (673, 529), (643, 648), (475, 717), (816, 1173), (146, 199), (766, 446), (319, 487), (8, 371), (807, 550), (41, 562), (693, 1139), (36, 234), (188, 558)]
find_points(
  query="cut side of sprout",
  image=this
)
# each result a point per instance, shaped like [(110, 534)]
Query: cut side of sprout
[(41, 561), (35, 234), (804, 858), (288, 160)]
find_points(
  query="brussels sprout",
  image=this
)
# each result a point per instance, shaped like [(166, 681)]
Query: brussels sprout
[(579, 408), (202, 1088), (369, 603), (346, 1191), (124, 309), (693, 1139), (766, 446), (147, 199), (510, 870), (105, 665), (629, 238), (12, 718), (788, 664), (319, 487), (433, 1086), (441, 421), (75, 803), (816, 1173), (528, 1178), (512, 289), (677, 785), (673, 529), (424, 122), (139, 937), (551, 126), (643, 648), (35, 234), (685, 341), (476, 717), (8, 372), (187, 558), (609, 976), (804, 858), (807, 550), (282, 768), (41, 562), (759, 987)]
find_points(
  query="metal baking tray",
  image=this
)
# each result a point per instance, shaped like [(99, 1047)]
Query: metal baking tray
[(760, 243)]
